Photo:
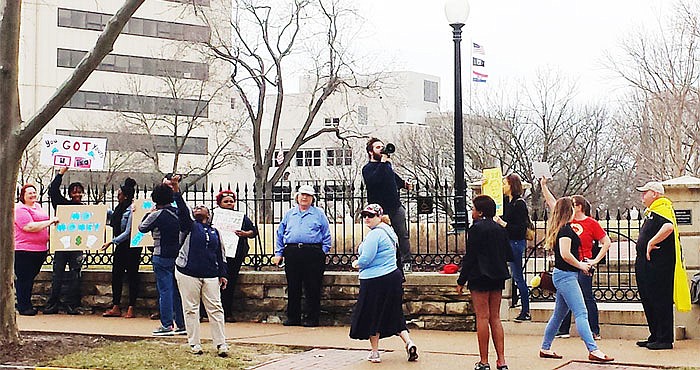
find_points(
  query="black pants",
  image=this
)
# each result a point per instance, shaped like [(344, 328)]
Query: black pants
[(304, 267), (74, 260), (398, 222), (655, 283), (234, 268), (27, 266), (126, 262)]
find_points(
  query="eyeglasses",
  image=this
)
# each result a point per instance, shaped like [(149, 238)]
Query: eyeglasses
[(368, 215)]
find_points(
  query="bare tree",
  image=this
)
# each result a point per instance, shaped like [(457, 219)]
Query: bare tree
[(663, 108), (270, 39), (16, 134)]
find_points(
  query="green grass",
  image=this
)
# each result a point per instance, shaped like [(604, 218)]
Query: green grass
[(159, 354)]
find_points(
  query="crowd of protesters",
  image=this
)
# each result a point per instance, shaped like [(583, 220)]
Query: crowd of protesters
[(195, 271)]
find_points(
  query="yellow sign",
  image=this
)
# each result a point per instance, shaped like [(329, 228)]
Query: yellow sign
[(493, 187), (80, 228), (139, 239)]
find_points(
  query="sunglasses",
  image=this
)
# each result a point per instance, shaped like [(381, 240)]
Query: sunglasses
[(368, 215)]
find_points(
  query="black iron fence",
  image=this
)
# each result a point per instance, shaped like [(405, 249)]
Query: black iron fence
[(434, 242)]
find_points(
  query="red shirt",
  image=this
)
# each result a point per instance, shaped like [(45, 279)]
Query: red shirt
[(588, 230)]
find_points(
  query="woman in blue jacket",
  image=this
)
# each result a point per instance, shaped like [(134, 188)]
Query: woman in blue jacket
[(378, 312), (200, 273)]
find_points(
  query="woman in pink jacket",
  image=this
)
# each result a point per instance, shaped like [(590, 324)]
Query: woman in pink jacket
[(31, 245)]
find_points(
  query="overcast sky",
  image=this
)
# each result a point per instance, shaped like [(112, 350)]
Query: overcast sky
[(519, 36)]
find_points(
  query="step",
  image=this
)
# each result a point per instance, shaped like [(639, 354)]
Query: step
[(617, 320)]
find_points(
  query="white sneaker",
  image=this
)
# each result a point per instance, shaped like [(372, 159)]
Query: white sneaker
[(196, 349), (563, 335), (222, 350), (373, 357)]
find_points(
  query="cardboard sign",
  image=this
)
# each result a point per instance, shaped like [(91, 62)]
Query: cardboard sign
[(139, 239), (80, 228), (86, 153), (227, 221), (493, 187)]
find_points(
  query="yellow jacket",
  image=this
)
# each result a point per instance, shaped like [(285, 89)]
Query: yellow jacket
[(681, 289)]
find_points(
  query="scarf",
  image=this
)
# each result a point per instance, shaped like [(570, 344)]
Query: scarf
[(681, 291)]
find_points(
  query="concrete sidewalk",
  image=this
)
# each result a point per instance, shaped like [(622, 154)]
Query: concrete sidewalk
[(437, 349)]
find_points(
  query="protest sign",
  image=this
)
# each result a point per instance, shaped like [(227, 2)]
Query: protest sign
[(540, 170), (227, 221), (79, 228), (139, 239), (493, 187), (87, 153)]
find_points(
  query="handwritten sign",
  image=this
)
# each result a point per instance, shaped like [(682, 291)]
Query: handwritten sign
[(493, 187), (227, 221), (541, 169), (139, 239), (80, 228), (87, 153)]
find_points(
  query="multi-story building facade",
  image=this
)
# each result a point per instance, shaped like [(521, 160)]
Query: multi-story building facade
[(155, 86)]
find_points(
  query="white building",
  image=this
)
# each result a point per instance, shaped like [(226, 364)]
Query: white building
[(154, 76), (403, 100)]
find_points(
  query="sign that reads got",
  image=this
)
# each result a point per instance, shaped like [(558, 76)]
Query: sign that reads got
[(86, 153)]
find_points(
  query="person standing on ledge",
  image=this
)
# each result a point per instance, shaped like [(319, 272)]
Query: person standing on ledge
[(383, 186)]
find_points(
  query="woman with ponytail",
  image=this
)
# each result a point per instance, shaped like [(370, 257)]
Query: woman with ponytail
[(126, 260), (565, 243)]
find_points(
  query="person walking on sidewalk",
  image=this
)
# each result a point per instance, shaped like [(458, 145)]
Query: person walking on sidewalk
[(61, 259), (164, 226), (303, 240), (562, 239), (588, 230), (31, 243), (125, 259), (200, 272), (383, 186), (378, 312), (485, 270), (515, 220), (659, 270)]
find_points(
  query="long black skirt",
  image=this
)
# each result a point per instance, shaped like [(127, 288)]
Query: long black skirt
[(379, 308)]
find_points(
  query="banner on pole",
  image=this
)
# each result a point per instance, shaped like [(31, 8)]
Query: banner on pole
[(493, 187)]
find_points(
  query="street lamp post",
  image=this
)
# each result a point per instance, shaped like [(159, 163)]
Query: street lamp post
[(457, 12)]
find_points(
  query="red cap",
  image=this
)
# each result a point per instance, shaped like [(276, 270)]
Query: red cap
[(449, 268)]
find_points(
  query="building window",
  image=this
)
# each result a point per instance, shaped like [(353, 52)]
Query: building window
[(335, 191), (430, 91), (362, 115), (138, 104), (71, 18), (282, 192), (308, 158), (331, 121), (338, 157)]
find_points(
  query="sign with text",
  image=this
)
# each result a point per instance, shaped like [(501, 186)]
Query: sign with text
[(87, 153), (139, 239), (80, 228), (493, 187), (227, 221)]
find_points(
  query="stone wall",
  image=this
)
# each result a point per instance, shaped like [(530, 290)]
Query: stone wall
[(430, 298)]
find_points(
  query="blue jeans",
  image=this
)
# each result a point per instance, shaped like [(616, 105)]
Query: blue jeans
[(168, 294), (516, 268), (568, 296), (586, 284)]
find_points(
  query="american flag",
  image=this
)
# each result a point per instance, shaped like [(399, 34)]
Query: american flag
[(478, 49), (479, 77)]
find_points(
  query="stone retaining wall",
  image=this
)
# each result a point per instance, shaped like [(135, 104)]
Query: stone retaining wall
[(430, 298)]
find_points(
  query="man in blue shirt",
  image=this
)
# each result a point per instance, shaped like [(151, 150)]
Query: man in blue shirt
[(383, 186), (303, 240)]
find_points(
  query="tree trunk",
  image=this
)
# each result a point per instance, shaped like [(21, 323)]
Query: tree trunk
[(9, 166)]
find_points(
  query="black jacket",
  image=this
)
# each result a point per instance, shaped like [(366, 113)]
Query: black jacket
[(516, 215), (383, 185), (488, 252), (57, 199)]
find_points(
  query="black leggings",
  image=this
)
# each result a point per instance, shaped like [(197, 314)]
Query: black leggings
[(126, 261), (27, 266)]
